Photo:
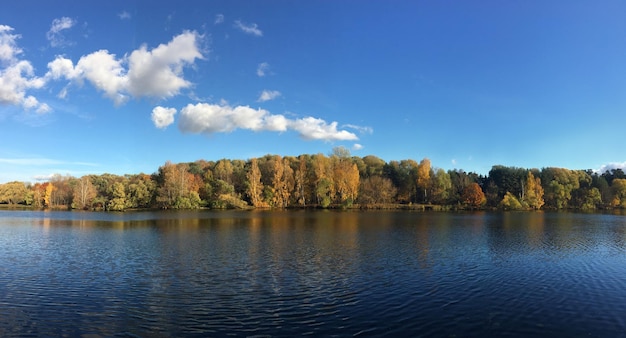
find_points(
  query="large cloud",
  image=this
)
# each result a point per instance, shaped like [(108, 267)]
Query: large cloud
[(17, 76), (154, 73), (204, 118)]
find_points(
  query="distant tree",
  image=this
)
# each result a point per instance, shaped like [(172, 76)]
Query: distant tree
[(13, 193), (533, 192), (423, 178), (118, 202), (510, 202), (346, 178), (591, 199), (374, 166), (323, 178), (441, 187), (619, 193), (255, 187), (47, 198), (376, 190), (141, 191), (473, 196), (301, 182), (84, 193)]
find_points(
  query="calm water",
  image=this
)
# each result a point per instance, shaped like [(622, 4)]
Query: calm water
[(293, 273)]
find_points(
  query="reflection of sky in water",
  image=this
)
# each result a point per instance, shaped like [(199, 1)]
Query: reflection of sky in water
[(296, 272)]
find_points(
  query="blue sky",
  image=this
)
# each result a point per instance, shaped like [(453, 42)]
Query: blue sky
[(123, 86)]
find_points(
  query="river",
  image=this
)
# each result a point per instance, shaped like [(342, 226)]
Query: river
[(319, 273)]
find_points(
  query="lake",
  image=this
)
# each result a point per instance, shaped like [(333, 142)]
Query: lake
[(317, 273)]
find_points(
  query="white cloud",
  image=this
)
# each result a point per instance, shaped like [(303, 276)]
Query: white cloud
[(17, 76), (268, 95), (357, 146), (55, 35), (204, 118), (158, 73), (124, 15), (163, 117), (151, 73), (262, 69), (613, 165), (311, 128), (360, 129), (219, 18), (252, 29), (8, 46)]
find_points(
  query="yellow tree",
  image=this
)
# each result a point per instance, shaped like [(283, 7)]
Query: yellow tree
[(13, 192), (346, 178), (255, 187), (423, 177), (619, 192), (47, 197), (280, 182), (533, 192), (324, 183), (300, 181)]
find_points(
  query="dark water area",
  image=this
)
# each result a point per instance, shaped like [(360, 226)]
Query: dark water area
[(317, 273)]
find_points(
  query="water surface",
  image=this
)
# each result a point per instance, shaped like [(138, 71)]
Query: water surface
[(293, 273)]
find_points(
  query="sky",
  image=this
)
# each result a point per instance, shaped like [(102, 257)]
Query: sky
[(121, 87)]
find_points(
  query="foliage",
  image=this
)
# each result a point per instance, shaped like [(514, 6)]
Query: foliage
[(473, 196), (510, 202), (337, 180)]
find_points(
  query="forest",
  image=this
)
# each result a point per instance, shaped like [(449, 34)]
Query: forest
[(337, 180)]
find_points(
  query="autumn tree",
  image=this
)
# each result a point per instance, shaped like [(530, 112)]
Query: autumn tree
[(301, 185), (619, 193), (255, 186), (178, 188), (282, 182), (403, 174), (118, 201), (510, 202), (560, 185), (47, 197), (423, 178), (84, 193), (323, 178), (346, 178), (376, 190), (441, 186), (533, 192), (473, 196), (13, 193), (141, 191)]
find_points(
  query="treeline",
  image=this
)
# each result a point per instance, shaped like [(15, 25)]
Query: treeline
[(336, 180)]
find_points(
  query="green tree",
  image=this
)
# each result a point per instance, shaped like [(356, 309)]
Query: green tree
[(118, 202), (441, 187), (13, 193)]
